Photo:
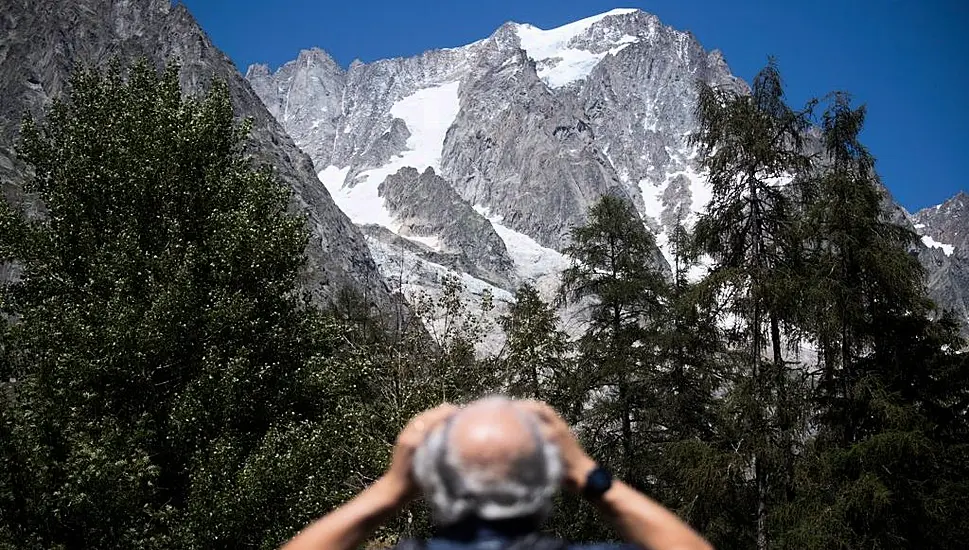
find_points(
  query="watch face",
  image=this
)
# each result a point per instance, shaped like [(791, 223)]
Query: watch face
[(598, 482)]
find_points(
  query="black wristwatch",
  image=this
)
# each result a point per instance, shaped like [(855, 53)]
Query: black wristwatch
[(597, 483)]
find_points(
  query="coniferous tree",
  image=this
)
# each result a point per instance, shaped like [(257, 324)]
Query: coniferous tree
[(862, 271), (751, 150), (615, 280), (879, 474), (690, 345), (692, 453), (535, 362), (614, 259)]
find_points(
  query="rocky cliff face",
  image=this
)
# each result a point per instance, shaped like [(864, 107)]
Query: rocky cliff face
[(946, 226), (533, 125), (528, 127), (40, 43), (945, 234), (430, 211)]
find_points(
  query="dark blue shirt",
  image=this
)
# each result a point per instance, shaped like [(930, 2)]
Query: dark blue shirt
[(477, 535), (444, 544)]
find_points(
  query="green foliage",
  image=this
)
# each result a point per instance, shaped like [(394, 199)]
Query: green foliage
[(614, 277), (397, 372), (751, 145), (456, 328), (879, 472), (536, 362), (613, 270), (164, 361)]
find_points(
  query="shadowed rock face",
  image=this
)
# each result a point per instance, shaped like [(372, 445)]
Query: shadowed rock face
[(427, 206), (42, 40), (526, 153)]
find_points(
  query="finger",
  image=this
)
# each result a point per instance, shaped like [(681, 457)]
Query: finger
[(439, 413), (549, 423), (534, 408), (427, 420), (542, 410)]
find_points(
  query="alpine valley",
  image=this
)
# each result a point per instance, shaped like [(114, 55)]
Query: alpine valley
[(476, 161)]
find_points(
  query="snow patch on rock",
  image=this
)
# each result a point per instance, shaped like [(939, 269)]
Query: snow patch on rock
[(928, 241), (428, 113)]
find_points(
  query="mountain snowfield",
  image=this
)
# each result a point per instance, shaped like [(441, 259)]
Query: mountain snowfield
[(928, 241), (524, 130), (428, 113), (560, 63)]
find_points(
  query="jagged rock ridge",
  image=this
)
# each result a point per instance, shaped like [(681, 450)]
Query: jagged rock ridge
[(428, 207), (945, 233), (528, 126)]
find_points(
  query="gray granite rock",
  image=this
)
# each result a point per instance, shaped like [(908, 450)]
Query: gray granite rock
[(946, 227), (426, 205), (947, 223), (537, 151)]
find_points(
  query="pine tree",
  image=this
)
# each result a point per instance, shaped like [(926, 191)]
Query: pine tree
[(535, 362), (691, 452), (751, 150), (614, 259), (691, 347), (164, 371), (862, 270)]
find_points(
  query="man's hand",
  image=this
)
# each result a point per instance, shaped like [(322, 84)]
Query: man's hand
[(641, 520), (576, 462), (410, 438)]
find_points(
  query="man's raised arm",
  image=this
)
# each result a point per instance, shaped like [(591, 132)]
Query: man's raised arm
[(351, 524)]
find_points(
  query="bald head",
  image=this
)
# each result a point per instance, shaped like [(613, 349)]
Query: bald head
[(491, 436), (489, 461)]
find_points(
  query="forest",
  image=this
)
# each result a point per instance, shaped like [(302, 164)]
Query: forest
[(166, 381)]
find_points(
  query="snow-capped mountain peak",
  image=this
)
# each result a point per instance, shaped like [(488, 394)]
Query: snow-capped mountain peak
[(480, 159), (562, 55), (531, 124)]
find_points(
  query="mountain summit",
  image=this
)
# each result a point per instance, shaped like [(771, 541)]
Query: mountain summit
[(528, 127)]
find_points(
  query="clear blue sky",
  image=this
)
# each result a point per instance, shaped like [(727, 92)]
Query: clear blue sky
[(908, 60)]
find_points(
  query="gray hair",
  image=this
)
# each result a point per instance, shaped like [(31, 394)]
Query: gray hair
[(456, 491)]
